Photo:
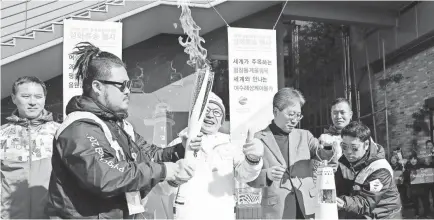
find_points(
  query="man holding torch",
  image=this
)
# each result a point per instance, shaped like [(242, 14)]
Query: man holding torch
[(209, 194), (102, 168)]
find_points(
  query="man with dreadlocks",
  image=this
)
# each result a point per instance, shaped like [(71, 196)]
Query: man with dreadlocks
[(101, 167)]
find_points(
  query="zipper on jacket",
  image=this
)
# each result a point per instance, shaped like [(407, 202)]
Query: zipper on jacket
[(352, 169), (30, 169)]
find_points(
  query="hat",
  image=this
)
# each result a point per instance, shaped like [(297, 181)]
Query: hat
[(213, 98)]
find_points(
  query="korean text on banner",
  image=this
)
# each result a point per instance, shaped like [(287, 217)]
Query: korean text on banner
[(105, 35), (252, 79), (252, 63)]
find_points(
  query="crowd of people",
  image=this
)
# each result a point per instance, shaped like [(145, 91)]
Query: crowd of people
[(415, 194), (94, 165)]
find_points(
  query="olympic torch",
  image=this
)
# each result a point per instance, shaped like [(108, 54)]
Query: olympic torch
[(199, 101), (204, 77), (201, 90)]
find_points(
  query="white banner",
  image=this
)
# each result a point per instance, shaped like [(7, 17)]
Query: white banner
[(252, 79), (105, 35), (252, 84)]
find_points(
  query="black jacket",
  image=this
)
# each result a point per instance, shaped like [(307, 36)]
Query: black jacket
[(399, 180), (360, 201), (397, 166), (83, 185)]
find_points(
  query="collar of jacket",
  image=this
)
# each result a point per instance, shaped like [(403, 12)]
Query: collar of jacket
[(276, 130), (87, 104), (332, 130), (375, 152), (44, 117)]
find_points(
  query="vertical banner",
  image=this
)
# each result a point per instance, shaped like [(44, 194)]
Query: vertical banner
[(105, 35), (252, 59)]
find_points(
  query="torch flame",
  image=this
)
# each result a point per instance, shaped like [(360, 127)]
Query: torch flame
[(193, 42), (198, 60)]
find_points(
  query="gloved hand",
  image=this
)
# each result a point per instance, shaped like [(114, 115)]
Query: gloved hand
[(326, 140), (172, 169), (185, 173), (253, 148), (340, 203), (275, 173), (195, 143)]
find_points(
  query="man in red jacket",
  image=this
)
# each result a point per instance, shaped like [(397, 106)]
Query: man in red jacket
[(364, 179)]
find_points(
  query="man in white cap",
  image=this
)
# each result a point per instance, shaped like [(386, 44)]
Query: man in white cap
[(209, 194)]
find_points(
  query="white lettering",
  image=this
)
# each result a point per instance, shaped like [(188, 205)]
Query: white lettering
[(424, 175), (99, 151), (94, 142), (111, 164)]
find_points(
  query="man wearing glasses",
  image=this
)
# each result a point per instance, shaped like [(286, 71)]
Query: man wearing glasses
[(288, 190), (102, 168), (210, 193), (365, 185)]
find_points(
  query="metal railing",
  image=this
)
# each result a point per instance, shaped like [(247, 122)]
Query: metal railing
[(25, 24), (38, 20)]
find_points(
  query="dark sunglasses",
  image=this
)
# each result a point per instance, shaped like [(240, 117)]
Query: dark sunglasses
[(123, 85)]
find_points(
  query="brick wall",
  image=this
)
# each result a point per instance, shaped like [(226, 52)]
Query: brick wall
[(404, 99)]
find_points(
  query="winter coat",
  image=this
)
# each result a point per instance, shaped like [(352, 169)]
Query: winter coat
[(297, 185), (89, 178), (377, 196), (210, 194), (398, 167), (26, 146)]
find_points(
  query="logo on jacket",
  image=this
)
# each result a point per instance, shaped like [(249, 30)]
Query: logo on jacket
[(375, 186), (356, 188)]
